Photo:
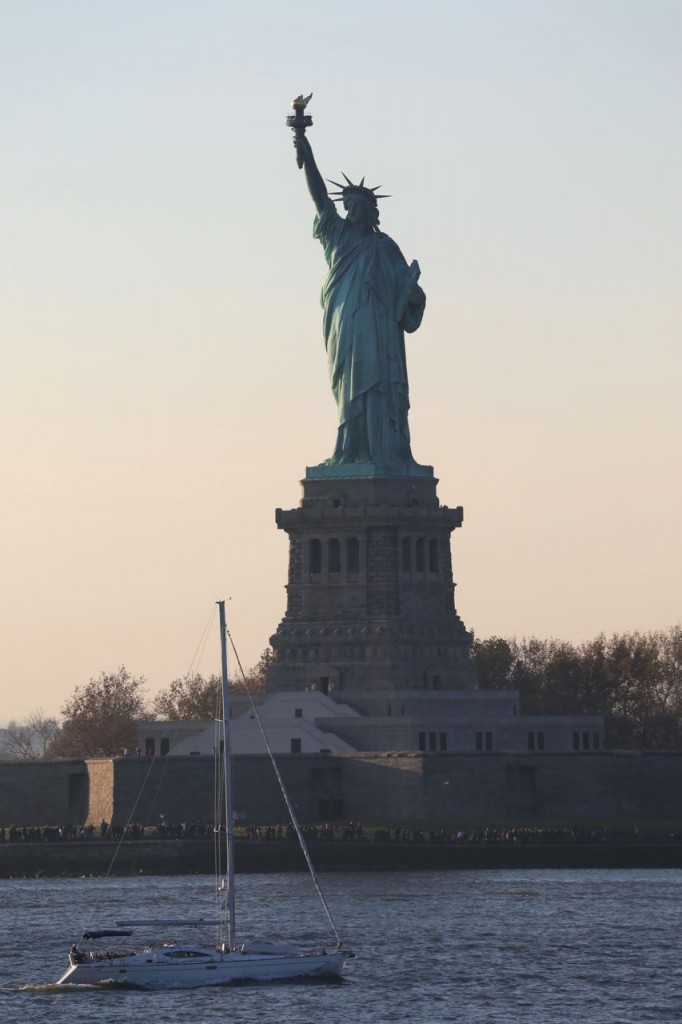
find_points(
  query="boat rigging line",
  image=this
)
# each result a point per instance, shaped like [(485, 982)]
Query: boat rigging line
[(290, 808)]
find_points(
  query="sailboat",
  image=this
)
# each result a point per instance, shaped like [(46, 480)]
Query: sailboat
[(176, 964)]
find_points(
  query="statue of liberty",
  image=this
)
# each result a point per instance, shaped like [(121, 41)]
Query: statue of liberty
[(370, 299)]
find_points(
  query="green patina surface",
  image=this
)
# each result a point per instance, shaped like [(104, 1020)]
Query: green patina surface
[(371, 298)]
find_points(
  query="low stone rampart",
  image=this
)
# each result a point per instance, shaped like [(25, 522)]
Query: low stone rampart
[(375, 787)]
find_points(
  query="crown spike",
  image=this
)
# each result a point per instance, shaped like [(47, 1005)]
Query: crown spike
[(351, 189)]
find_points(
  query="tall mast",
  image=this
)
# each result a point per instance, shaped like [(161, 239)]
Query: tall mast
[(227, 770)]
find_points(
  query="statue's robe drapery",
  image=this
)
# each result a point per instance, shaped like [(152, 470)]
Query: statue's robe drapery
[(368, 303)]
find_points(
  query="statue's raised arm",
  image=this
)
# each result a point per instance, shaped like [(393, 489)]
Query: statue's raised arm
[(314, 179), (371, 298)]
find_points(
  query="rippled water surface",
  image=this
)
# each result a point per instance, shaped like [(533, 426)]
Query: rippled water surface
[(528, 947)]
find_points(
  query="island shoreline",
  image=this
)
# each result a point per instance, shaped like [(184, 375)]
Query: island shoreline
[(188, 857)]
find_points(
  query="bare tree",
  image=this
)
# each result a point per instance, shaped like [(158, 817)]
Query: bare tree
[(28, 739)]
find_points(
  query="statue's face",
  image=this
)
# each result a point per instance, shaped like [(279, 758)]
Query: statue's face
[(358, 211)]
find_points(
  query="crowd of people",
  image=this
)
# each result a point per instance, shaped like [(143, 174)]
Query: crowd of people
[(352, 832)]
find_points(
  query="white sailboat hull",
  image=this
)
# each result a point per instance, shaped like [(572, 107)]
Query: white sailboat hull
[(192, 968)]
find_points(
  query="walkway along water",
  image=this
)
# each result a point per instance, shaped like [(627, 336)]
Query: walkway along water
[(177, 857)]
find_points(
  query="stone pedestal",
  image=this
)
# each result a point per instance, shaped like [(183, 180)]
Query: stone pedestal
[(370, 593)]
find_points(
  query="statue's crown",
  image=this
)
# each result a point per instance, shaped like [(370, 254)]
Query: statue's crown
[(355, 190)]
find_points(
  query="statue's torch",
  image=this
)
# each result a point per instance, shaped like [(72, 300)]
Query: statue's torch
[(299, 121)]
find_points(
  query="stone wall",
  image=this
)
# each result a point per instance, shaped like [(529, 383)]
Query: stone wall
[(384, 787), (43, 793), (182, 789), (101, 805), (170, 789), (606, 786), (413, 786)]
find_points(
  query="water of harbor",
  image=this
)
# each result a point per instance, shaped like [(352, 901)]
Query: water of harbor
[(514, 947)]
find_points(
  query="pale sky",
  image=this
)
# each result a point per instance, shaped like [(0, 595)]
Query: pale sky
[(164, 379)]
